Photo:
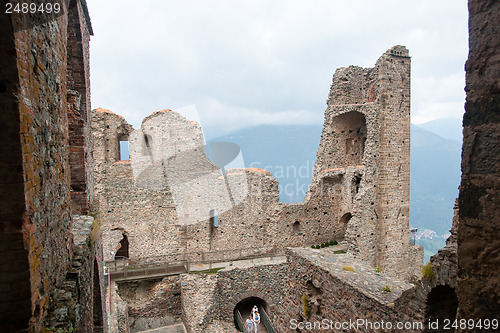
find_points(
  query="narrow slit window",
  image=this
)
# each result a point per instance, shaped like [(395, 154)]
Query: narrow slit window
[(124, 151), (214, 218), (148, 143)]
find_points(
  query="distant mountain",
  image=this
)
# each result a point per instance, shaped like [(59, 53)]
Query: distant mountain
[(289, 153), (449, 128), (434, 179)]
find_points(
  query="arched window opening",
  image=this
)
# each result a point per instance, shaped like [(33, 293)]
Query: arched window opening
[(122, 248), (296, 226), (342, 226), (345, 218)]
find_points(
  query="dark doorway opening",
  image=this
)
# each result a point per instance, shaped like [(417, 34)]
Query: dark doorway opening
[(97, 304), (441, 304), (122, 252), (244, 308)]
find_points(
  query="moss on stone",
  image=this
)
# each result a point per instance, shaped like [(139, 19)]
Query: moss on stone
[(305, 306)]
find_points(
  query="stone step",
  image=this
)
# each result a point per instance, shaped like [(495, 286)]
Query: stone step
[(177, 328)]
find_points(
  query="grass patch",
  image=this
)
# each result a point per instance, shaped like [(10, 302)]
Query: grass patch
[(207, 271), (386, 289), (305, 306)]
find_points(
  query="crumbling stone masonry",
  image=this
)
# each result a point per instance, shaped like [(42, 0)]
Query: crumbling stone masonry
[(162, 201), (478, 287), (366, 138), (46, 172), (164, 198), (332, 294)]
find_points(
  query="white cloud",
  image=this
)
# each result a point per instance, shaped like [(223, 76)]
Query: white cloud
[(438, 97), (432, 111), (218, 118), (256, 62)]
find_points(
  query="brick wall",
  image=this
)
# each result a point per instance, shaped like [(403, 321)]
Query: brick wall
[(80, 157), (15, 307), (44, 140)]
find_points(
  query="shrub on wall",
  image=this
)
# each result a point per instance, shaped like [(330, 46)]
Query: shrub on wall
[(428, 272)]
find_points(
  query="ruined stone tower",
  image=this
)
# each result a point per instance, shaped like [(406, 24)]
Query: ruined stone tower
[(161, 202), (366, 137)]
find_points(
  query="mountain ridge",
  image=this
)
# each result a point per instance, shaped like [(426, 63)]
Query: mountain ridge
[(286, 150)]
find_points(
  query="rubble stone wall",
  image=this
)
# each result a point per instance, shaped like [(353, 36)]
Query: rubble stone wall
[(367, 122), (37, 102), (479, 205), (319, 289), (165, 197), (152, 199)]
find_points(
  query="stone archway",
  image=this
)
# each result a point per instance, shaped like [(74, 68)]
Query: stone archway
[(343, 222), (441, 304), (348, 133), (243, 310), (251, 293)]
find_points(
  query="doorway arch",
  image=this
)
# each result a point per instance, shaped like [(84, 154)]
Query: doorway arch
[(122, 251), (343, 222), (243, 310), (442, 303), (348, 134)]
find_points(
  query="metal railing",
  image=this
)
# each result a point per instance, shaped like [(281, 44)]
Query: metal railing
[(239, 321), (125, 268), (195, 257), (266, 321), (167, 268)]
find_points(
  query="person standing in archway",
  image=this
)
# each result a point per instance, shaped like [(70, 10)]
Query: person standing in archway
[(254, 309), (256, 320), (250, 324)]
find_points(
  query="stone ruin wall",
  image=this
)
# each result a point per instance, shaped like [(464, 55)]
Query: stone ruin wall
[(48, 278), (478, 287), (332, 293), (342, 296), (367, 124), (145, 305), (126, 202), (162, 197)]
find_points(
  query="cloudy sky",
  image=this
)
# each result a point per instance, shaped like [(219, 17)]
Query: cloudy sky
[(251, 62)]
